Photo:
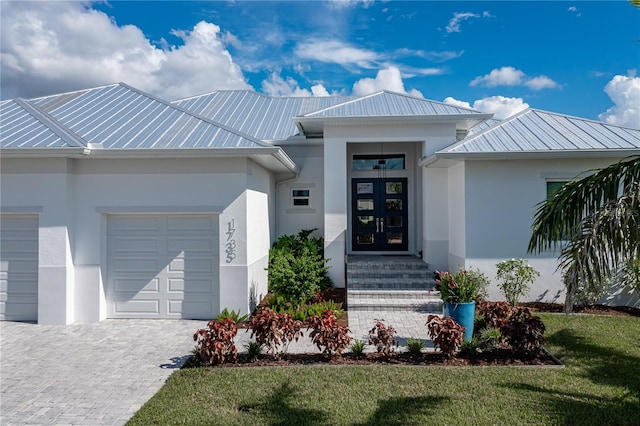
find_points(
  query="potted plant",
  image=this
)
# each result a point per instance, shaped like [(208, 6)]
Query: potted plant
[(459, 291)]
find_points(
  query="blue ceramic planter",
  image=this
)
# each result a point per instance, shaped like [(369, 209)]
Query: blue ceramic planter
[(463, 314)]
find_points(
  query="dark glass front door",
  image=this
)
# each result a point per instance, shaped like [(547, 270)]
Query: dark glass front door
[(379, 214)]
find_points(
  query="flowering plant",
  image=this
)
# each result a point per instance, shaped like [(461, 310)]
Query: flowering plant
[(459, 287)]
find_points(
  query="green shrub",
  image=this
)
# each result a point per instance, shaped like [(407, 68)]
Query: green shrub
[(414, 346), (297, 268), (470, 347), (482, 282), (490, 337), (357, 347), (235, 316), (254, 349), (516, 276)]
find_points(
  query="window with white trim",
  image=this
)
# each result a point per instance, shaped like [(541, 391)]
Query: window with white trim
[(300, 198)]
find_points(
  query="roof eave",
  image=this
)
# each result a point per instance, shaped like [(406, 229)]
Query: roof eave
[(58, 152), (310, 125), (512, 155), (273, 158)]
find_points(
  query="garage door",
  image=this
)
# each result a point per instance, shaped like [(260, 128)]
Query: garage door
[(162, 266), (19, 267)]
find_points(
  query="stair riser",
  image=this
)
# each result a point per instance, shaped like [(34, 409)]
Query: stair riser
[(432, 309)]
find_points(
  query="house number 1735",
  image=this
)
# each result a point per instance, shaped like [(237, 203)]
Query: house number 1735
[(231, 242)]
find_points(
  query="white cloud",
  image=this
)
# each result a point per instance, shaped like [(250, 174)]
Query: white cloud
[(501, 107), (345, 4), (430, 55), (336, 52), (510, 76), (458, 17), (386, 79), (455, 102), (624, 91), (52, 47), (575, 10), (275, 85)]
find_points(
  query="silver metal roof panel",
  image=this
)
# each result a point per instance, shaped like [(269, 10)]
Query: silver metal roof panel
[(24, 126), (118, 116), (540, 131), (390, 104), (263, 117)]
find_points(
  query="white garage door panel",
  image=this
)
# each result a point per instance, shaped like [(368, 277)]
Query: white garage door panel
[(19, 267), (162, 266)]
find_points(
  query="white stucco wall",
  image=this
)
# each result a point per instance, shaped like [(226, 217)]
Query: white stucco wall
[(423, 139), (500, 201), (457, 217), (291, 219), (435, 217), (47, 194), (74, 198)]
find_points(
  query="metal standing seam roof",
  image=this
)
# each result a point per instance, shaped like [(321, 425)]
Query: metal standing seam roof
[(541, 131), (263, 117), (390, 104), (121, 117), (23, 126)]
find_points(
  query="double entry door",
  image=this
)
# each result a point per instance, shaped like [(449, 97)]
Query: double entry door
[(379, 214)]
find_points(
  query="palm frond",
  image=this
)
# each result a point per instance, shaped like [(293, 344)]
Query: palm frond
[(562, 215)]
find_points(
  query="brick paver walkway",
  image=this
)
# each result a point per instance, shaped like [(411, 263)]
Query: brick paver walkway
[(102, 373)]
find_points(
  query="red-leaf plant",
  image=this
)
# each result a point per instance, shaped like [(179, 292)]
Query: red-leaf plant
[(215, 343), (494, 313), (446, 334), (383, 338), (523, 331), (274, 330), (327, 334)]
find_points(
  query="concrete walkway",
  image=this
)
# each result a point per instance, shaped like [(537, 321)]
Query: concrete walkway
[(87, 374), (102, 373)]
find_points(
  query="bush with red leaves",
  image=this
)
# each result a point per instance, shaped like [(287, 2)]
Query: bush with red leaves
[(447, 335), (274, 330), (215, 343), (383, 338), (327, 334)]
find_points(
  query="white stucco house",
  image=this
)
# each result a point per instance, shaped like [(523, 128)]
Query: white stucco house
[(117, 204)]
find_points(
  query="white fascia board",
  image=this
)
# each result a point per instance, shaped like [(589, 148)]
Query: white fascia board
[(272, 151), (43, 152), (569, 153), (400, 119)]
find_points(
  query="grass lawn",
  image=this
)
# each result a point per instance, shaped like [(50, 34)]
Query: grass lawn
[(600, 385)]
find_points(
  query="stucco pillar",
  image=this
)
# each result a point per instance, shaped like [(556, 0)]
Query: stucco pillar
[(335, 207), (55, 263), (233, 247)]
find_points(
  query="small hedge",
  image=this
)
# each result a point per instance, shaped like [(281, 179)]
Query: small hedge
[(297, 267)]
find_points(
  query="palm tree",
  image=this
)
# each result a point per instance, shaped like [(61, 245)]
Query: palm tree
[(595, 221)]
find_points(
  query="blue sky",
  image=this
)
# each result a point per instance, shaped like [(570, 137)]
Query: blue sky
[(576, 58)]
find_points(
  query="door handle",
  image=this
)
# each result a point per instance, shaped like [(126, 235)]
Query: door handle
[(381, 224), (377, 224)]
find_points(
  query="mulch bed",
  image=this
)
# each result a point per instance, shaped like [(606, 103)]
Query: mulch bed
[(579, 309), (492, 358), (488, 358)]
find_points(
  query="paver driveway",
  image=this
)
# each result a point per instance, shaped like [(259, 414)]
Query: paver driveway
[(87, 374)]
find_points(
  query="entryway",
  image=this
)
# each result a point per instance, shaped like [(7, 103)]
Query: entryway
[(379, 214)]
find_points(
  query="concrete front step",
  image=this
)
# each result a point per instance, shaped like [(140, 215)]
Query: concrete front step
[(405, 305), (394, 300), (391, 284)]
